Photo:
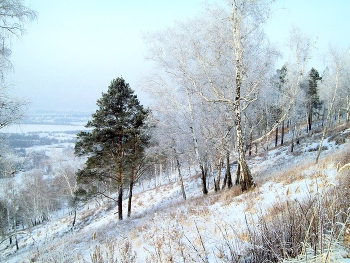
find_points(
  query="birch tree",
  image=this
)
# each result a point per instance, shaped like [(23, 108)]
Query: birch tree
[(174, 121), (337, 70), (14, 17), (223, 58), (300, 47)]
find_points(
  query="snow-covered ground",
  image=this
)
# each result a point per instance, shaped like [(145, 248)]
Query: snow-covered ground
[(163, 226)]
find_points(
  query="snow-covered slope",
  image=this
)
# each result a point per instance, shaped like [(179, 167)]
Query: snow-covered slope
[(165, 228)]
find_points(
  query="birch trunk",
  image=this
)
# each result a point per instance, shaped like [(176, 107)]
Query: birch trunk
[(245, 180), (196, 149), (180, 175)]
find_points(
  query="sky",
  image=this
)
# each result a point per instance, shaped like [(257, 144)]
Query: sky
[(74, 48)]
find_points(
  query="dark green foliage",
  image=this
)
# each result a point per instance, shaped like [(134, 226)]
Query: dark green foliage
[(312, 92), (117, 141), (313, 100)]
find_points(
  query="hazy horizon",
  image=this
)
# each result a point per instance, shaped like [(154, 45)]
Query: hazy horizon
[(74, 49)]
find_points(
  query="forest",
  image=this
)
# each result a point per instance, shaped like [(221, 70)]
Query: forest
[(222, 96)]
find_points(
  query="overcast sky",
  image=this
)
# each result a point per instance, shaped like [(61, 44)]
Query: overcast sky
[(75, 48)]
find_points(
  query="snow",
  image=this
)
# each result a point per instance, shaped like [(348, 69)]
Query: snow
[(160, 211)]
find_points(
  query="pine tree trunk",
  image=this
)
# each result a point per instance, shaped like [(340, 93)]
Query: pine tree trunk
[(309, 117), (120, 202), (120, 178), (131, 187)]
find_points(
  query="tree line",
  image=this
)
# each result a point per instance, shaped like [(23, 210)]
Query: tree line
[(217, 98), (33, 188)]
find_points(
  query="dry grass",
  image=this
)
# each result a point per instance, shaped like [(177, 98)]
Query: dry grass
[(227, 196), (198, 206), (286, 230)]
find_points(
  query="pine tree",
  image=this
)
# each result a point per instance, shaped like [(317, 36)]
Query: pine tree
[(116, 143), (313, 100)]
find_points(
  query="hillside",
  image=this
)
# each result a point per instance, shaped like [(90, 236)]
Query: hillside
[(293, 193)]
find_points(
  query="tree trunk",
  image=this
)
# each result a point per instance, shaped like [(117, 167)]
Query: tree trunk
[(309, 116), (218, 181), (204, 179), (228, 170), (120, 178), (282, 133), (9, 225), (120, 202), (195, 144), (75, 217), (292, 142), (228, 177), (15, 228), (180, 176), (131, 186), (246, 180), (250, 141), (276, 136), (238, 174), (224, 182)]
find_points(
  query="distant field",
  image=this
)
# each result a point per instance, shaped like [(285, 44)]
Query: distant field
[(50, 122)]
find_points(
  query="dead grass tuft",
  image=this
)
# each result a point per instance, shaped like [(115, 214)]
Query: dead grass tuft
[(227, 196)]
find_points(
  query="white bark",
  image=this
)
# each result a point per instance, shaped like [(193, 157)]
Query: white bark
[(338, 68)]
